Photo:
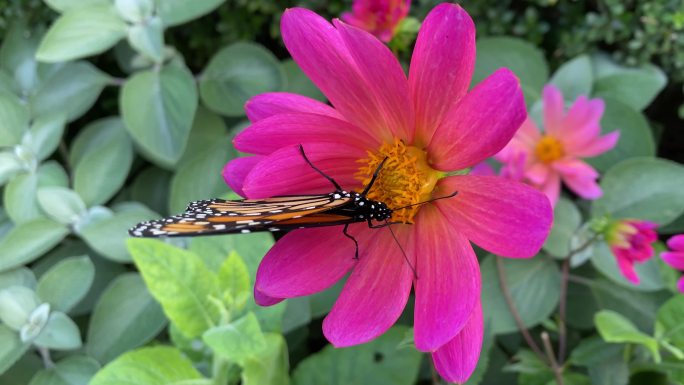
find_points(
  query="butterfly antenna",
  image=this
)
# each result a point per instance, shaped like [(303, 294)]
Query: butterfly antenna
[(337, 186), (413, 269), (424, 202), (375, 176)]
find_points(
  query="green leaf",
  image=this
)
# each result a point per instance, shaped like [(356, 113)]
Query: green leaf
[(151, 188), (298, 83), (125, 317), (649, 272), (148, 38), (566, 221), (79, 82), (135, 11), (233, 278), (636, 87), (604, 361), (670, 317), (9, 166), (235, 74), (180, 281), (61, 204), (158, 108), (534, 286), (237, 341), (636, 137), (17, 56), (159, 365), (60, 333), (65, 5), (574, 78), (379, 362), (613, 327), (642, 188), (297, 313), (20, 199), (174, 12), (251, 248), (27, 241), (102, 155), (520, 56), (45, 134), (270, 367), (73, 370), (81, 32), (66, 283), (14, 119), (20, 276), (11, 348), (16, 305)]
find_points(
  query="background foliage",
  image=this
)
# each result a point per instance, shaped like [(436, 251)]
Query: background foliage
[(116, 112)]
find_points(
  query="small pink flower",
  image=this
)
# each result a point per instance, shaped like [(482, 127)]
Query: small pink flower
[(675, 257), (631, 241), (556, 154), (379, 17), (425, 125)]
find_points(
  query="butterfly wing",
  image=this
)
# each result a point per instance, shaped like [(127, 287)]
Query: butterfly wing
[(218, 216)]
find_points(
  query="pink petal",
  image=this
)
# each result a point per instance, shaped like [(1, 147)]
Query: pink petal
[(575, 167), (554, 109), (551, 188), (384, 78), (483, 169), (307, 261), (273, 103), (457, 360), (262, 299), (674, 259), (586, 188), (285, 172), (448, 284), (442, 65), (292, 129), (375, 293), (481, 124), (538, 173), (595, 147), (322, 54), (504, 217), (627, 269), (676, 242), (680, 285), (583, 121), (528, 133), (235, 172)]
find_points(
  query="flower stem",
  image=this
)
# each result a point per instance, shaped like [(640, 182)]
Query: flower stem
[(514, 311), (557, 370), (45, 355)]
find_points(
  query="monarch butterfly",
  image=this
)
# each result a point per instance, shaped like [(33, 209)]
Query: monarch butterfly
[(218, 216)]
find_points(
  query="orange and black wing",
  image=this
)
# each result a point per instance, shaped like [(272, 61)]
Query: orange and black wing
[(218, 216)]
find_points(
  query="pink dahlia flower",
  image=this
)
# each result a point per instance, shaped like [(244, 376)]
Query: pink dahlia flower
[(425, 125), (556, 154), (675, 257), (631, 241), (379, 17)]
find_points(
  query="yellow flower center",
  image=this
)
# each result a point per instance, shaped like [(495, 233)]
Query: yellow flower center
[(406, 178), (549, 149)]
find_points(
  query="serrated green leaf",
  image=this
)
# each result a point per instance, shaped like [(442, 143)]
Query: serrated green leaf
[(174, 12), (27, 241), (16, 305), (251, 248), (80, 32), (566, 221), (11, 348), (125, 317), (270, 367), (235, 74), (158, 108), (180, 281), (66, 283), (613, 327), (237, 341), (73, 370), (233, 277), (14, 119), (61, 204), (574, 78)]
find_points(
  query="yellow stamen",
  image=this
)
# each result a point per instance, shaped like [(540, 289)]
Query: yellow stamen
[(406, 178), (549, 149)]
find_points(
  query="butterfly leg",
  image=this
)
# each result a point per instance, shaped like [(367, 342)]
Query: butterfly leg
[(326, 176), (372, 226), (356, 243)]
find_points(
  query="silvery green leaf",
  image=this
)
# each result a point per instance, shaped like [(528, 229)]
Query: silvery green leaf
[(60, 333), (45, 133), (16, 304), (36, 322), (134, 11), (9, 166), (147, 38), (14, 118), (61, 204)]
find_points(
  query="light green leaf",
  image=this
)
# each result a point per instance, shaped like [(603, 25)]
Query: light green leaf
[(233, 278), (65, 5), (102, 155), (174, 12), (73, 370), (14, 119), (534, 286), (566, 221), (16, 305), (51, 173), (134, 11), (11, 348), (297, 313), (636, 87), (61, 204), (158, 108), (81, 32), (235, 74), (613, 327), (60, 333), (27, 241), (270, 367), (20, 199), (251, 248), (148, 38), (298, 83), (642, 188), (237, 341), (9, 166), (670, 317), (17, 56), (636, 137), (160, 365), (125, 317), (20, 276), (151, 188), (66, 283), (379, 362), (45, 133), (574, 78), (520, 56), (649, 273), (180, 281)]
